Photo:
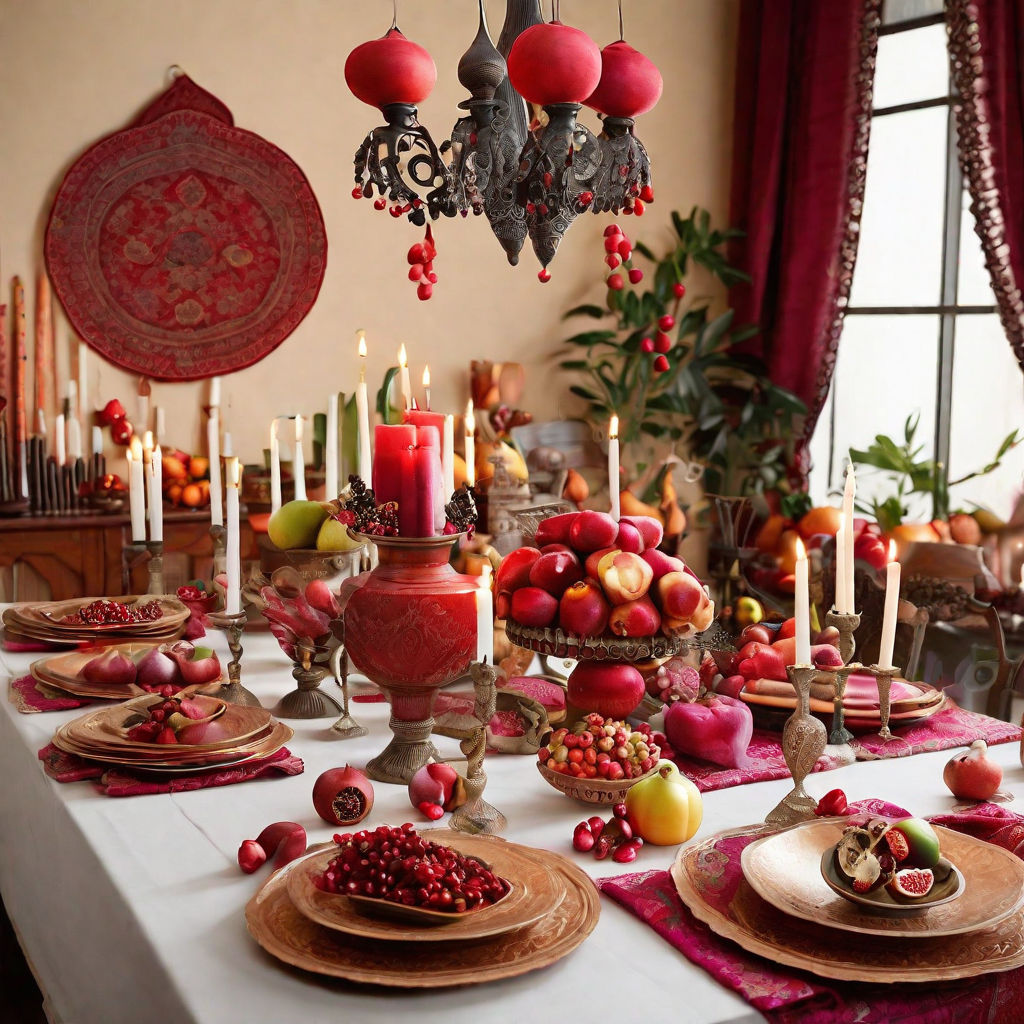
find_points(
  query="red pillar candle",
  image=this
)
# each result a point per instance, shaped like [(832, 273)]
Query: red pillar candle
[(392, 443), (429, 495)]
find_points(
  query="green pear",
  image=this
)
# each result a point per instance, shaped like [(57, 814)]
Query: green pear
[(296, 524), (333, 536)]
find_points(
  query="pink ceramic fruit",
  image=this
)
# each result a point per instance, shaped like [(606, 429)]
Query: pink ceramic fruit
[(636, 618), (196, 665), (679, 595), (437, 785), (532, 606), (612, 689), (321, 597), (554, 529), (972, 774), (629, 538), (664, 809), (555, 572), (285, 838), (650, 529), (111, 668), (343, 796), (584, 609), (624, 576), (716, 729), (661, 563), (514, 571), (157, 668), (592, 530)]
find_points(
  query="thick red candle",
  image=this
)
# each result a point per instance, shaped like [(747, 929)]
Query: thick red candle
[(423, 418), (429, 515), (391, 458)]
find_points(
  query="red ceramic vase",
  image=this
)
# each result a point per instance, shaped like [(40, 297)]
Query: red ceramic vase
[(554, 63), (410, 626), (630, 83), (390, 70)]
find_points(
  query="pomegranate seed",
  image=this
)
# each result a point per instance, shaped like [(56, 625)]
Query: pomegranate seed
[(424, 290), (646, 345), (636, 275), (544, 276), (612, 229), (586, 198), (615, 282), (661, 364), (638, 208), (611, 242), (678, 290), (663, 342), (613, 260), (379, 204), (357, 192), (647, 194), (667, 322), (625, 249), (415, 271)]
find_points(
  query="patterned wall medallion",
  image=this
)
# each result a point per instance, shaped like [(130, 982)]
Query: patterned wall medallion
[(184, 247)]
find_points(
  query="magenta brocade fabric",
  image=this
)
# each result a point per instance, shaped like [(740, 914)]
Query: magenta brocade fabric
[(788, 996), (805, 71)]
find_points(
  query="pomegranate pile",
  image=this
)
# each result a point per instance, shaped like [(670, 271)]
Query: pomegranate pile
[(600, 748), (614, 836), (103, 612), (175, 719), (903, 856), (396, 864)]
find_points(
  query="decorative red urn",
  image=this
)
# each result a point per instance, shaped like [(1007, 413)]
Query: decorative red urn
[(630, 83), (554, 63), (392, 69)]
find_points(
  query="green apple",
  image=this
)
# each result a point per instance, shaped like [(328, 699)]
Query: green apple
[(296, 524), (334, 536)]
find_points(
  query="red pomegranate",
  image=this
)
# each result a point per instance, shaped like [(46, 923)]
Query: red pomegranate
[(390, 70), (611, 688), (630, 83), (554, 63)]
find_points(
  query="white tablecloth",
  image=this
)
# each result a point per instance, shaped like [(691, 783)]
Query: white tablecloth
[(131, 910)]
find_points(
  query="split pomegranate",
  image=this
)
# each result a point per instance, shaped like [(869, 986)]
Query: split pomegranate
[(343, 796), (912, 882), (285, 838)]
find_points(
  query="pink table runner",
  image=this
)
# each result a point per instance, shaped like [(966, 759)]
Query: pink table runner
[(950, 727), (788, 996)]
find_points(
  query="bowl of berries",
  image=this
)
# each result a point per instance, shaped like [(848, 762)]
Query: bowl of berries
[(598, 759)]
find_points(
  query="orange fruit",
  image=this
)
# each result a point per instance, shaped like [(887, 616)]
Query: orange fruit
[(786, 551), (192, 496), (173, 493), (821, 519), (198, 466), (771, 530)]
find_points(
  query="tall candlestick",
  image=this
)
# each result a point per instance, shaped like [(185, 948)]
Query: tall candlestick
[(363, 414), (613, 465), (331, 448), (892, 602), (840, 598), (403, 377), (156, 496), (214, 392), (97, 441), (470, 444), (142, 423), (83, 379), (213, 452), (485, 617), (20, 397), (802, 601), (59, 440), (849, 491), (74, 438), (228, 447), (233, 550), (136, 492), (426, 388), (448, 458), (299, 463), (275, 469), (44, 338)]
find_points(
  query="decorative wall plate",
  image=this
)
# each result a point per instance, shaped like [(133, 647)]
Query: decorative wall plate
[(184, 247)]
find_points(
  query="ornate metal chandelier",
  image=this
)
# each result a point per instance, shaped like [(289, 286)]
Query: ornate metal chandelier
[(530, 173)]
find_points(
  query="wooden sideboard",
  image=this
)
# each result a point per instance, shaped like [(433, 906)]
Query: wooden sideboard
[(60, 557)]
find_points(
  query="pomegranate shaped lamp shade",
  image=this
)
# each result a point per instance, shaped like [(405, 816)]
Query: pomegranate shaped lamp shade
[(389, 70)]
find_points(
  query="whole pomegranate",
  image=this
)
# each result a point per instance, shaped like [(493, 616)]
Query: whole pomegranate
[(972, 774), (343, 796)]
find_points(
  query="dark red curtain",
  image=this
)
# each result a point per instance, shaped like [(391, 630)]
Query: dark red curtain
[(986, 45), (805, 71)]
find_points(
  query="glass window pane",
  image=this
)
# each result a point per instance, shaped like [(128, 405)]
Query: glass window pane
[(911, 66), (896, 11), (988, 402), (887, 371), (899, 260), (974, 285), (819, 482)]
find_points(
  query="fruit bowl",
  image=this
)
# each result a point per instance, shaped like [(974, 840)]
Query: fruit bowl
[(590, 791), (949, 889), (558, 643), (386, 910)]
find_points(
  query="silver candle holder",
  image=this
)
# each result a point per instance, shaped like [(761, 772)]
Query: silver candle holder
[(155, 567), (346, 727), (884, 677), (233, 691)]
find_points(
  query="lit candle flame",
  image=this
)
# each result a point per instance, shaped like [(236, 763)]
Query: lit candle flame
[(801, 551), (403, 359), (613, 427), (136, 447), (298, 428), (361, 335), (147, 439), (892, 551), (426, 376), (470, 419), (233, 477)]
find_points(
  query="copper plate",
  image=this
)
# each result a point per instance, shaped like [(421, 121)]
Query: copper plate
[(536, 891), (41, 621), (276, 924), (760, 928), (783, 870)]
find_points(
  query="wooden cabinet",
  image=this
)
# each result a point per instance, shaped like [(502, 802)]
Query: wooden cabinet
[(59, 557)]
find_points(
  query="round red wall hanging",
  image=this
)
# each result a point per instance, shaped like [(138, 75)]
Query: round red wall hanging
[(184, 247)]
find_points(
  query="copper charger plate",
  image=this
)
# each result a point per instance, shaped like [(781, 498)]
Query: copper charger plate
[(282, 930), (42, 621), (758, 927), (535, 892), (783, 870)]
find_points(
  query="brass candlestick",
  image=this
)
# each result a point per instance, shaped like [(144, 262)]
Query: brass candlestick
[(232, 691), (220, 540), (884, 676), (840, 734), (803, 742), (346, 727), (155, 567), (846, 623)]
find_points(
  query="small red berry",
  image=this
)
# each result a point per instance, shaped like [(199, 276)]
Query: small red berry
[(678, 290), (542, 209), (615, 282), (636, 275), (625, 249), (432, 277), (432, 811), (547, 179), (667, 322), (613, 259), (424, 290), (611, 243), (663, 342), (660, 364), (647, 345), (638, 208), (586, 198), (627, 210), (415, 271), (612, 229), (357, 192), (544, 276), (395, 211), (647, 194), (530, 207), (379, 204)]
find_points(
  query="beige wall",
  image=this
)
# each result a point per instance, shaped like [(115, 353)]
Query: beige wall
[(71, 72)]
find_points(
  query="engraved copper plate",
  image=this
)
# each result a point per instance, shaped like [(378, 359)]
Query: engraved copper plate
[(42, 621), (536, 891), (784, 870), (760, 928), (281, 929), (183, 246)]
